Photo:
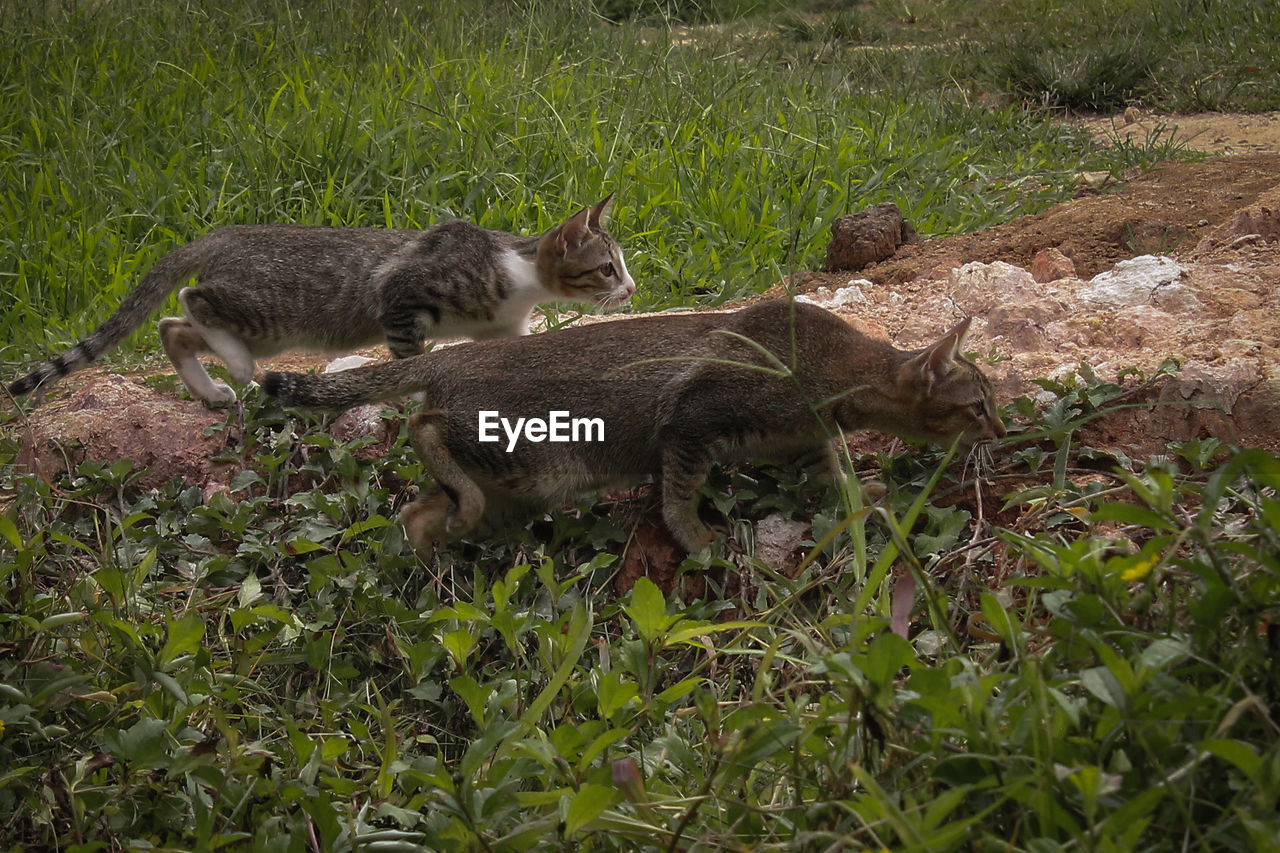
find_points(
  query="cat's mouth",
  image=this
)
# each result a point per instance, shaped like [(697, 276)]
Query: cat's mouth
[(614, 298)]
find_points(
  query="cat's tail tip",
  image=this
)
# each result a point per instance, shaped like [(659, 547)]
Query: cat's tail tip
[(278, 384), (307, 391)]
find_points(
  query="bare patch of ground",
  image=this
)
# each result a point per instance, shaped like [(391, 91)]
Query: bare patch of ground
[(1220, 219), (1215, 133)]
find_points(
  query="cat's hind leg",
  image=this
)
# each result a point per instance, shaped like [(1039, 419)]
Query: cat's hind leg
[(457, 507), (234, 352), (183, 342)]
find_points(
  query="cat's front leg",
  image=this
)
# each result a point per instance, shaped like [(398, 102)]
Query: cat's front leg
[(684, 470)]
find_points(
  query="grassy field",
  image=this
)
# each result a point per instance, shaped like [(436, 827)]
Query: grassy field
[(128, 134), (275, 669)]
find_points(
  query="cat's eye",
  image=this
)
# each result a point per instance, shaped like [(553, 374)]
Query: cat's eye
[(979, 407), (607, 270)]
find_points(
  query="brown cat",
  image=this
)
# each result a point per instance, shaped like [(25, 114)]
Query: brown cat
[(264, 289), (517, 426)]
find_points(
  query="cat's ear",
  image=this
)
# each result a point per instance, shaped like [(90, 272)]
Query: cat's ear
[(598, 218), (937, 360), (571, 233)]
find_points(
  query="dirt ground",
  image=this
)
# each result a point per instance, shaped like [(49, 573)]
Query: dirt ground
[(1199, 213)]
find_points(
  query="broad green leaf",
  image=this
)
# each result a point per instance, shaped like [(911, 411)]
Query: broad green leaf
[(1130, 514), (57, 620), (143, 744), (648, 610), (586, 805), (458, 644), (1235, 752), (1165, 652), (1102, 683), (600, 744), (185, 636), (1000, 620), (680, 689), (250, 590), (10, 532), (474, 695), (691, 633)]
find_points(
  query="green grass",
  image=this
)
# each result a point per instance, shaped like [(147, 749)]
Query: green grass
[(127, 135), (1094, 668)]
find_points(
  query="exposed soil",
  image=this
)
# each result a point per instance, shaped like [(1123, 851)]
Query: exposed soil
[(1165, 211), (1219, 218)]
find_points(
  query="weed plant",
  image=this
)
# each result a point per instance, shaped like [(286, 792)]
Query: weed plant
[(1092, 664)]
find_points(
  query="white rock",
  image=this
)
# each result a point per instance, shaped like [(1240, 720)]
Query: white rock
[(852, 294), (977, 287), (347, 362), (1144, 280)]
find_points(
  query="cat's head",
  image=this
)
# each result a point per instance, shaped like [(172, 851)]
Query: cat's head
[(948, 394), (580, 260)]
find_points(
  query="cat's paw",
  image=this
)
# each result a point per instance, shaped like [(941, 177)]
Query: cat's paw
[(220, 395), (692, 534), (428, 519)]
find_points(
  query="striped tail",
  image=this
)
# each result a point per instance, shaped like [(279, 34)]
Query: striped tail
[(171, 270), (347, 388)]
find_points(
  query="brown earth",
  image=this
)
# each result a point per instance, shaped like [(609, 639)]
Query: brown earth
[(1220, 219)]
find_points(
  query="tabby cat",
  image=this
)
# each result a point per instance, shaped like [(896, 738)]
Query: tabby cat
[(671, 395), (263, 289)]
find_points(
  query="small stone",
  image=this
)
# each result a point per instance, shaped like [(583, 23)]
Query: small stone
[(1051, 265), (860, 239), (346, 362)]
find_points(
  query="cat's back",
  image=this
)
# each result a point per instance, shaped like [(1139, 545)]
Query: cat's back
[(590, 350), (301, 247)]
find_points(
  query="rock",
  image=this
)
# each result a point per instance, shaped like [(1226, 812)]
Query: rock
[(1144, 280), (1213, 385), (851, 294), (863, 238), (347, 362), (1144, 326), (1260, 220), (778, 543), (361, 422), (1051, 265), (978, 288), (116, 417)]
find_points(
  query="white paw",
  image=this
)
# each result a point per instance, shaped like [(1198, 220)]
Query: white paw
[(220, 394)]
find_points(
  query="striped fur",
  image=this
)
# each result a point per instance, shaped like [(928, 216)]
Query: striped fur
[(675, 394), (265, 289)]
